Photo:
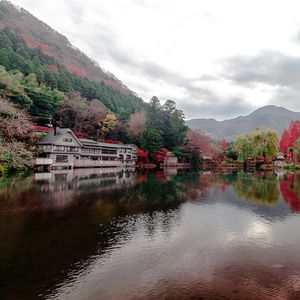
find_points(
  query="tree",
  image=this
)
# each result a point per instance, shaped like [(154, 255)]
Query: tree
[(109, 123), (15, 130), (72, 112), (257, 144), (297, 148), (151, 141), (230, 153), (223, 144), (201, 142), (137, 123), (161, 155), (15, 124), (289, 136)]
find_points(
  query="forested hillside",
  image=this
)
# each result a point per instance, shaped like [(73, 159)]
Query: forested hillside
[(40, 84), (15, 54), (40, 36)]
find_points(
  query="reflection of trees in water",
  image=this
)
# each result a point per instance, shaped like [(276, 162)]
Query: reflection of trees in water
[(258, 188), (33, 234), (290, 189), (13, 187)]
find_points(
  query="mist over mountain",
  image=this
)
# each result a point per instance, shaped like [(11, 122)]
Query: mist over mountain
[(39, 35), (267, 117)]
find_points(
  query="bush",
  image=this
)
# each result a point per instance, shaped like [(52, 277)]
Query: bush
[(14, 158)]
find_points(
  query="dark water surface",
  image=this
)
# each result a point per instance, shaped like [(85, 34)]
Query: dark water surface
[(111, 234)]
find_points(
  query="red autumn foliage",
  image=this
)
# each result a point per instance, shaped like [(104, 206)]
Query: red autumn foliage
[(142, 178), (161, 177), (161, 155), (203, 143), (53, 68), (116, 142), (80, 135), (41, 128), (76, 71), (143, 156), (289, 136), (223, 145), (35, 44), (289, 191)]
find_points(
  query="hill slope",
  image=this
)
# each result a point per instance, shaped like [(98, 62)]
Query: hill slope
[(267, 117), (39, 35)]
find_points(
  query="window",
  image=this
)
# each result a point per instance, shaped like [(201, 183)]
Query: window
[(106, 151), (59, 148), (67, 140), (61, 158)]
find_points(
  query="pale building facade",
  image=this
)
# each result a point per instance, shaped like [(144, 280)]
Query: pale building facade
[(63, 149)]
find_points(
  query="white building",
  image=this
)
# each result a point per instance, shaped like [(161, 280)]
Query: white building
[(62, 148)]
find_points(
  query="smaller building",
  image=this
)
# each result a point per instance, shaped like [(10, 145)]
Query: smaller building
[(67, 150), (170, 159)]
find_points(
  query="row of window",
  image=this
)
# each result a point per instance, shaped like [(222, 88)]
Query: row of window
[(97, 151), (48, 148), (66, 149), (97, 158), (64, 158), (125, 151), (61, 158)]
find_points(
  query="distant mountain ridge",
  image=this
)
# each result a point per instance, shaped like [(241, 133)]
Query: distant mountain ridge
[(37, 34), (266, 117)]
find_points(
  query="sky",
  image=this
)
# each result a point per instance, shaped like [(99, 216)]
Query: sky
[(217, 59)]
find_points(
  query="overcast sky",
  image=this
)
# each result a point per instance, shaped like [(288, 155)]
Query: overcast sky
[(215, 58)]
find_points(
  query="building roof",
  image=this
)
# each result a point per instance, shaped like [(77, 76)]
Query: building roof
[(51, 137)]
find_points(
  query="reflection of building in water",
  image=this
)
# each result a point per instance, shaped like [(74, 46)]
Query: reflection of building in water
[(99, 179), (61, 148)]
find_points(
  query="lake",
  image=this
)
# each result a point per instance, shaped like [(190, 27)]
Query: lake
[(120, 234)]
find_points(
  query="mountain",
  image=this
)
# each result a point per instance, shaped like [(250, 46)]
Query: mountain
[(267, 117), (39, 35)]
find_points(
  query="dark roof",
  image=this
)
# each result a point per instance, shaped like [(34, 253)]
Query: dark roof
[(88, 141), (50, 138)]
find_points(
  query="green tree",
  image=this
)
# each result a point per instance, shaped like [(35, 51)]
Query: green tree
[(151, 141), (257, 144)]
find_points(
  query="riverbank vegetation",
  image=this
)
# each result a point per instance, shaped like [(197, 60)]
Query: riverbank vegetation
[(15, 138)]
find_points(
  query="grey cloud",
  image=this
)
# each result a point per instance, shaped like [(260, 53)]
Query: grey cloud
[(296, 37), (201, 102), (289, 96), (269, 67), (220, 108), (105, 43)]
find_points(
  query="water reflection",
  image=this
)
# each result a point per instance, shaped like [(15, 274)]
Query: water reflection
[(120, 234), (260, 188), (290, 189)]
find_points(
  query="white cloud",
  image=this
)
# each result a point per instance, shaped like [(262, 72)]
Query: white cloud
[(161, 47)]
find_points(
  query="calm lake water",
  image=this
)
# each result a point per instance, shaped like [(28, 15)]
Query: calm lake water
[(113, 234)]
